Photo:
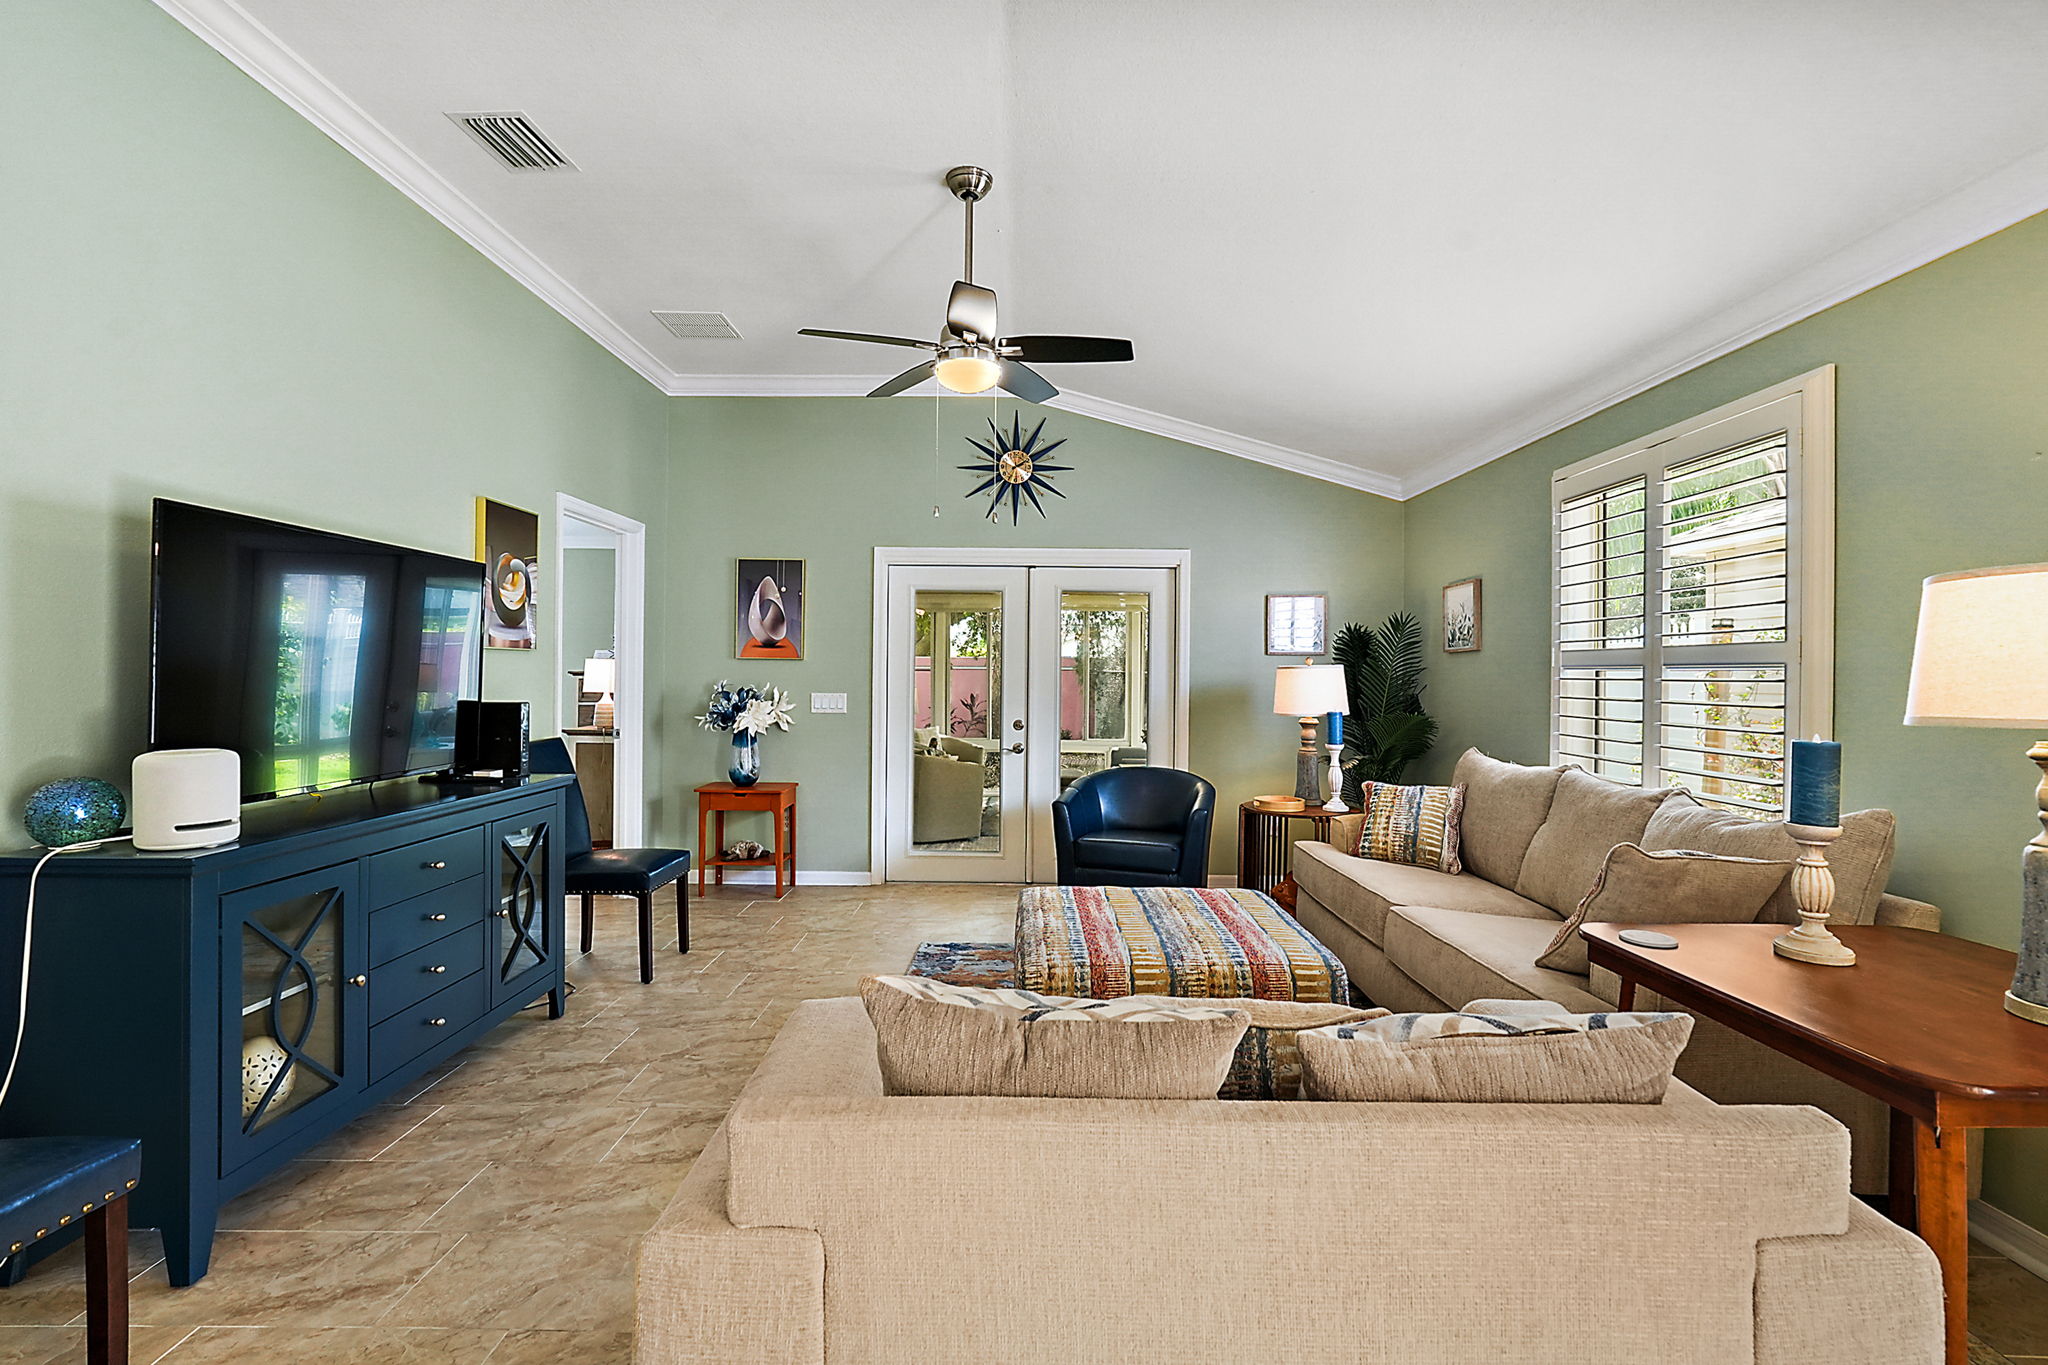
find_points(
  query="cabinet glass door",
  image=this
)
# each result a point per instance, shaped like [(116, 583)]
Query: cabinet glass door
[(525, 926), (291, 1028)]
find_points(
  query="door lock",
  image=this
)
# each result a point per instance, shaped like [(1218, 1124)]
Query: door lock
[(1016, 748), (1016, 725)]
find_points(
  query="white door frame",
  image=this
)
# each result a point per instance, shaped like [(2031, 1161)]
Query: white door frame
[(629, 612), (888, 557)]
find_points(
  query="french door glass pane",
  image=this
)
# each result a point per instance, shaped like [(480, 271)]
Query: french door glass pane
[(1104, 652), (957, 705)]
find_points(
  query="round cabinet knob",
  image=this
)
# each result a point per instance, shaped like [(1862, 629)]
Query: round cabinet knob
[(359, 980), (437, 918), (435, 867), (437, 970), (438, 1023)]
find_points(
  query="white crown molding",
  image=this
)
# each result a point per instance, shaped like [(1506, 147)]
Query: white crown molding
[(228, 30), (2011, 194), (770, 385)]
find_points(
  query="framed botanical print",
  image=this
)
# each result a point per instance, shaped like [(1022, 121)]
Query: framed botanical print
[(769, 619), (1297, 623), (1461, 616)]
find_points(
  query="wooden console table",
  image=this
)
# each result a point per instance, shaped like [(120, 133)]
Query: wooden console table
[(1265, 846), (777, 798), (1918, 1022)]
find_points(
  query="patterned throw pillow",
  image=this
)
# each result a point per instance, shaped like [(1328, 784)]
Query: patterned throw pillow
[(1497, 1052), (1417, 825), (936, 1039), (1669, 886), (1267, 1065)]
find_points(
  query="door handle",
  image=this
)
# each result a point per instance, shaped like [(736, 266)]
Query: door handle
[(359, 980), (438, 1023), (436, 971), (437, 918), (434, 867), (1016, 748)]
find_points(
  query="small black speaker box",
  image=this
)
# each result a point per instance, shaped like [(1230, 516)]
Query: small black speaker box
[(490, 740)]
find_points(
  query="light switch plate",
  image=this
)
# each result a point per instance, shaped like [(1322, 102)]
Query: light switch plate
[(828, 703)]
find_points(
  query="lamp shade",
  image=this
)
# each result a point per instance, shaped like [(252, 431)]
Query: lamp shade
[(600, 675), (1309, 690), (1981, 655)]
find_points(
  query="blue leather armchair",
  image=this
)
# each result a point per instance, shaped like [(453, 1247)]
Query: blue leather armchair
[(1134, 827)]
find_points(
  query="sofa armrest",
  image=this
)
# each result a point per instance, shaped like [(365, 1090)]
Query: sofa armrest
[(1902, 913), (1872, 1295)]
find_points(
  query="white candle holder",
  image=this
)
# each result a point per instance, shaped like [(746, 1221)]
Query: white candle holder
[(1813, 891), (1335, 805)]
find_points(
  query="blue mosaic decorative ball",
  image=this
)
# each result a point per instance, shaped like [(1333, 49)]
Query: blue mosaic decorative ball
[(74, 810)]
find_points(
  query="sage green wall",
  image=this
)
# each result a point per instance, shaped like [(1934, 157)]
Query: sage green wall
[(828, 479), (207, 299), (1942, 418)]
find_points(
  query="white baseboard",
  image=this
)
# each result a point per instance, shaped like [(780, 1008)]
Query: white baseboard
[(755, 876), (2025, 1244)]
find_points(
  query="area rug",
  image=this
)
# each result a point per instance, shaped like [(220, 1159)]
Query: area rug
[(966, 964)]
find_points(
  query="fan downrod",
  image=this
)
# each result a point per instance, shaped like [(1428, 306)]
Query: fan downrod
[(969, 183)]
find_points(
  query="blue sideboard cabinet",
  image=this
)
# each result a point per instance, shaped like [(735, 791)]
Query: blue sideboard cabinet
[(231, 1007)]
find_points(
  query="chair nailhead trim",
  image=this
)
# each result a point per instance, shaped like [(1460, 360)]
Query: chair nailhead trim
[(110, 1196), (131, 1184), (16, 1247), (42, 1232), (65, 1221), (86, 1209)]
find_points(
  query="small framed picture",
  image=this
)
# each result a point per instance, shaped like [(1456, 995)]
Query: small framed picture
[(770, 610), (508, 543), (1461, 616), (1297, 623)]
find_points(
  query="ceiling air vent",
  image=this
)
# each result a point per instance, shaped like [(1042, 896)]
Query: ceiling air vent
[(698, 326), (514, 141)]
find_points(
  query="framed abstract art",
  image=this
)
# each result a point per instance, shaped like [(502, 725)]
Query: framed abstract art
[(769, 616)]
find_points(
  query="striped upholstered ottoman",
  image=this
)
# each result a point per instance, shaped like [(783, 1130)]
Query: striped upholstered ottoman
[(1111, 941)]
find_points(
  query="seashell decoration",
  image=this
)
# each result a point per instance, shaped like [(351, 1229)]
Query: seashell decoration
[(262, 1059)]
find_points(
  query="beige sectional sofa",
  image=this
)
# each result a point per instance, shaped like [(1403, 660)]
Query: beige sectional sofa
[(1533, 840), (827, 1222)]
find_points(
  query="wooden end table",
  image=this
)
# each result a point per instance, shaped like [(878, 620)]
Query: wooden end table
[(1265, 846), (777, 798), (1918, 1023)]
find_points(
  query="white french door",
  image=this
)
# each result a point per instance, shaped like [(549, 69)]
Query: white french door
[(1003, 684)]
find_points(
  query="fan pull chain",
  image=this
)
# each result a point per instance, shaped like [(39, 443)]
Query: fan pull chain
[(938, 457)]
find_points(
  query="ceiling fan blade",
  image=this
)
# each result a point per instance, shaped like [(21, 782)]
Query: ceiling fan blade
[(1027, 384), (971, 312), (910, 378), (866, 336), (1068, 350)]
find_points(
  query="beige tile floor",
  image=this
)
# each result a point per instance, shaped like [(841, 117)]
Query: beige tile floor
[(491, 1216)]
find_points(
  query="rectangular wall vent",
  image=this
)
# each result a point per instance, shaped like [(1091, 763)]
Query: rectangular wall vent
[(698, 326), (514, 141)]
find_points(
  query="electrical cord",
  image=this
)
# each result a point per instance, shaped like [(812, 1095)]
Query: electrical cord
[(28, 932)]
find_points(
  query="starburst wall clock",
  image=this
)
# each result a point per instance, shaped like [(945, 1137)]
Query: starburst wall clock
[(1015, 468)]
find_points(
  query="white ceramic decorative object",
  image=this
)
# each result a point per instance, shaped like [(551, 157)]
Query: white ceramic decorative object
[(1813, 891), (262, 1059), (1335, 805)]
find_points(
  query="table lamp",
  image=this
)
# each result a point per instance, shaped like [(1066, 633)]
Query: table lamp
[(1981, 658), (602, 677), (1307, 691)]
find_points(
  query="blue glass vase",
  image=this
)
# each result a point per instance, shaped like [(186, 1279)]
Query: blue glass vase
[(746, 759), (77, 810)]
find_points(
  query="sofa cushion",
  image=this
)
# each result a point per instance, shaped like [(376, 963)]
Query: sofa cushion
[(1670, 886), (1588, 816), (936, 1039), (1129, 850), (1359, 890), (1457, 956), (1505, 804), (1267, 1065), (1413, 825), (1861, 859), (1497, 1052)]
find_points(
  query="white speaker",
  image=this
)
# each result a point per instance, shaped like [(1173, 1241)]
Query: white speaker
[(187, 798)]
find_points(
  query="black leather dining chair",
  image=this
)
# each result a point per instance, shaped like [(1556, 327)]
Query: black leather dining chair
[(49, 1183), (1134, 826), (635, 872)]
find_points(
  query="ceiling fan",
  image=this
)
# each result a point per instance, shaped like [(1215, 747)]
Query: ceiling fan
[(970, 357)]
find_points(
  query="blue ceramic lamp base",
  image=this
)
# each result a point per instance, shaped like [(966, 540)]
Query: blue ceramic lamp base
[(2028, 997)]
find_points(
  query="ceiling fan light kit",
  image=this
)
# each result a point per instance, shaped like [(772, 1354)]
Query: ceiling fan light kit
[(969, 356)]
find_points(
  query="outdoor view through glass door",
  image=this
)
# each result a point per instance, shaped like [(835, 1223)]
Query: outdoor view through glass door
[(1004, 686)]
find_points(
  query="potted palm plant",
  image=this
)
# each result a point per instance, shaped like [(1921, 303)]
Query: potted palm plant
[(1387, 728)]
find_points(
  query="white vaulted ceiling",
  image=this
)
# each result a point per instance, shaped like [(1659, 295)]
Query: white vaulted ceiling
[(1379, 242)]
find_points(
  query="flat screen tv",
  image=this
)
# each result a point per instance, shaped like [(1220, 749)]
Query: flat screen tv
[(319, 658)]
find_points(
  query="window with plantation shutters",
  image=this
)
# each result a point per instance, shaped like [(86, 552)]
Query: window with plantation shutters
[(1693, 600)]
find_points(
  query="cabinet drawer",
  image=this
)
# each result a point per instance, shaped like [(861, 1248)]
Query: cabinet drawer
[(406, 872), (423, 971), (398, 929), (411, 1031)]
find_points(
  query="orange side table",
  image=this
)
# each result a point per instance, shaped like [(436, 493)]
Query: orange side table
[(777, 798)]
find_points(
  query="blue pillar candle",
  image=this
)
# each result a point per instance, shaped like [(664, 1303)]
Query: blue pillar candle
[(1816, 795), (1335, 733)]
